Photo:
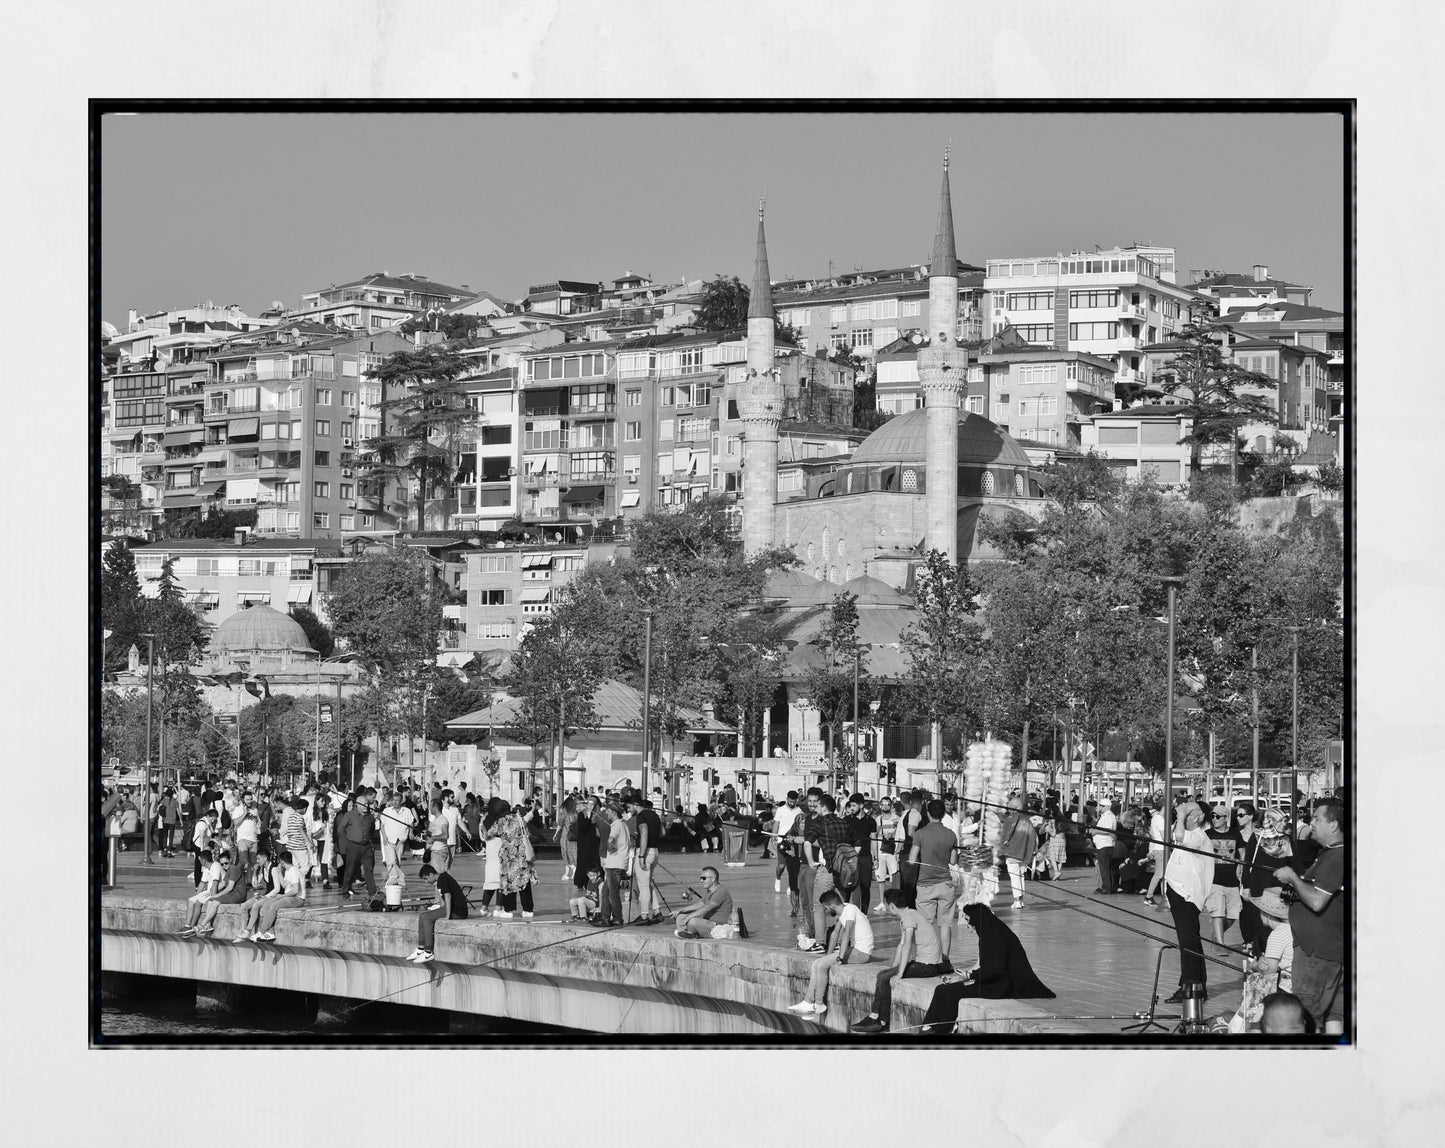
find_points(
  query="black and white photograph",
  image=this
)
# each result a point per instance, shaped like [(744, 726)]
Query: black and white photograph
[(837, 576)]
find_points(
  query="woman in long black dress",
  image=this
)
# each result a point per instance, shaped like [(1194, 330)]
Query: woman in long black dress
[(1003, 972), (589, 852)]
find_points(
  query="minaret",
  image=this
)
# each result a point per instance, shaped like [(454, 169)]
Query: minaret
[(760, 407), (943, 375)]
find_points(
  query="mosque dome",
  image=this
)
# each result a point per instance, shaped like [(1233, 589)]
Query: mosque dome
[(108, 329), (903, 439), (261, 629), (872, 591), (788, 584)]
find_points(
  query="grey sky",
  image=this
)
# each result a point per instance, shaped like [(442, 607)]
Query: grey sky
[(247, 208)]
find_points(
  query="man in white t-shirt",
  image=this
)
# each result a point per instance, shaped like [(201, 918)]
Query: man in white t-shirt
[(212, 873), (851, 944), (396, 826), (785, 815)]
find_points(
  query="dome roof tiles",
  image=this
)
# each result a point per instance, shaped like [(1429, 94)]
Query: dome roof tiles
[(903, 439), (260, 628)]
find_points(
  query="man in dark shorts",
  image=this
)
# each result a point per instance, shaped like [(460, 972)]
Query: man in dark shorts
[(1317, 919)]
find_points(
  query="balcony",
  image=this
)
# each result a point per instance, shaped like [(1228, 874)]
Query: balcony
[(547, 479), (671, 372), (1133, 310), (593, 410), (636, 373), (601, 476)]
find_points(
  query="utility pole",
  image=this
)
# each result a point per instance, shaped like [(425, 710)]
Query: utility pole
[(646, 697), (1254, 759), (1173, 584), (857, 654), (150, 706), (1294, 729)]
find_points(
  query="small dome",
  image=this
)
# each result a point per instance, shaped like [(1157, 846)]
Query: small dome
[(788, 584), (904, 437), (260, 628), (108, 329), (872, 591)]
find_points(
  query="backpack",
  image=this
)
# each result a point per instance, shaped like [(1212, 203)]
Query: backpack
[(845, 868)]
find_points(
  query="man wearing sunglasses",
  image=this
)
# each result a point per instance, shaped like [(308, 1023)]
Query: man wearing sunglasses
[(716, 908), (1222, 905)]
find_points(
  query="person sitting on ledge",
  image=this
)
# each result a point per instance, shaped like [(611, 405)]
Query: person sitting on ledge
[(450, 905), (716, 908), (1003, 972)]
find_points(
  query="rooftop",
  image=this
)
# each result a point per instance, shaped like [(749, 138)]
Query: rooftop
[(903, 439)]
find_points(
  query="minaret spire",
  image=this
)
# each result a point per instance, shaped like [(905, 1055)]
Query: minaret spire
[(760, 302), (760, 407), (945, 256)]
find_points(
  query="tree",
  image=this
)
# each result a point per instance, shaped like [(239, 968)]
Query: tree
[(1212, 389), (120, 603), (455, 327), (386, 609), (724, 307), (561, 661), (1272, 474), (318, 633), (427, 421), (842, 660), (1086, 479), (688, 568), (944, 646)]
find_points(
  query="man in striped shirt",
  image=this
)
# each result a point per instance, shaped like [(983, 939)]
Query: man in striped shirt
[(294, 836)]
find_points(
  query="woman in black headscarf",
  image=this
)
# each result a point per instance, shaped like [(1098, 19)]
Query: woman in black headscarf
[(1003, 972)]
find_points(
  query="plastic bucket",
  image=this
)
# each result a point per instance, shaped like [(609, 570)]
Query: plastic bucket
[(393, 896)]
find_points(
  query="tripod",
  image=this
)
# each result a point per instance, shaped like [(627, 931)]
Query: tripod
[(1147, 1018)]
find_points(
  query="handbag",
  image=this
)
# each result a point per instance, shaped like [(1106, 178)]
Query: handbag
[(527, 851)]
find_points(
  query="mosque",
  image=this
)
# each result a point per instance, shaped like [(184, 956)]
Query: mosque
[(920, 482)]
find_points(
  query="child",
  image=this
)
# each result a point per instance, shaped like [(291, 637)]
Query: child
[(212, 871), (450, 905), (491, 874), (585, 905)]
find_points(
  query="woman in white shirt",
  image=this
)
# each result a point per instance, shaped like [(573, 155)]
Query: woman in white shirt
[(1187, 880)]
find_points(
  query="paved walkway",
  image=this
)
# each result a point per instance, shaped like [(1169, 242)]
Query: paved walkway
[(1080, 945)]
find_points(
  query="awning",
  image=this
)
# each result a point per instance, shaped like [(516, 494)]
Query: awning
[(529, 560), (536, 593), (211, 489), (299, 593), (243, 428), (252, 597), (184, 437), (631, 497), (583, 494), (180, 502)]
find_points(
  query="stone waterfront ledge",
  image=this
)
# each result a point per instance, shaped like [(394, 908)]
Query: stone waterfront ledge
[(636, 981)]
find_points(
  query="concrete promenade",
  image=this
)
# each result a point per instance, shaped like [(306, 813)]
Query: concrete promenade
[(1096, 967)]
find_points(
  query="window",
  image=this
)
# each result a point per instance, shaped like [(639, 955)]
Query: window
[(733, 443), (885, 335), (323, 428), (1095, 331), (323, 458), (494, 597), (546, 436), (368, 521), (633, 398), (974, 404), (858, 311), (494, 564), (910, 307), (1036, 372), (632, 467), (1037, 333), (348, 400), (632, 432), (1000, 409), (494, 629), (347, 491), (838, 340), (664, 430), (837, 314), (323, 396), (321, 489), (667, 397), (861, 337), (664, 462), (1039, 406), (884, 309), (496, 436), (1093, 298), (693, 430), (268, 430), (1031, 301), (321, 521)]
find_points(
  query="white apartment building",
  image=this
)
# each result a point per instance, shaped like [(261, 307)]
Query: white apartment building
[(1108, 304)]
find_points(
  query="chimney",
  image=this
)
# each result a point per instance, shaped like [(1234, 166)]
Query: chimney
[(131, 318), (1261, 273), (241, 534)]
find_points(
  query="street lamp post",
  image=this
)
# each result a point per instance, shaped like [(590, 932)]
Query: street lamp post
[(150, 707), (857, 654), (1173, 583), (646, 698), (1254, 706), (1294, 729)]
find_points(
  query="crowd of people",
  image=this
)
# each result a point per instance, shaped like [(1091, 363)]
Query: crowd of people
[(918, 860)]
